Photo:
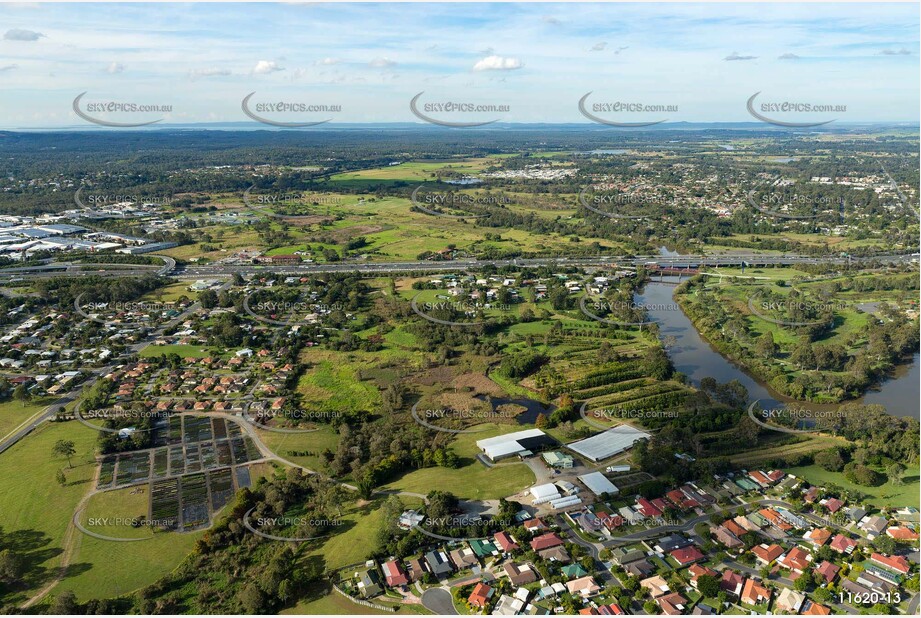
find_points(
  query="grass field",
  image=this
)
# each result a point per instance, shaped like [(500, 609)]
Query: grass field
[(315, 442), (336, 388), (37, 511), (13, 413), (882, 496), (108, 569), (109, 512), (473, 480), (320, 601)]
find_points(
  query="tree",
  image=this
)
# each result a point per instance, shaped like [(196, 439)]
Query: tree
[(61, 479), (541, 421), (21, 394), (708, 585), (765, 347), (11, 567), (831, 460), (894, 472), (64, 604), (801, 583), (64, 448)]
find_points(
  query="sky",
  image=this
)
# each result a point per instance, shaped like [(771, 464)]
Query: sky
[(702, 61)]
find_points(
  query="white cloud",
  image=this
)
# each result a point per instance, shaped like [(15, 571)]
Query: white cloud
[(620, 49), (115, 67), (788, 56), (17, 34), (498, 63), (737, 56), (382, 63), (551, 20), (327, 62), (210, 72), (8, 67), (599, 46), (264, 67), (895, 52)]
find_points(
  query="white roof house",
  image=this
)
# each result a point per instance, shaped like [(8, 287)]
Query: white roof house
[(508, 444), (598, 484), (608, 443), (544, 493)]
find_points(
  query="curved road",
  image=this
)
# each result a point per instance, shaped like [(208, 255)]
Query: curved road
[(439, 601)]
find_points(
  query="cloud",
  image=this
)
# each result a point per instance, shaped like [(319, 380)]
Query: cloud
[(264, 67), (382, 63), (22, 35), (895, 52), (489, 51), (736, 56), (327, 62), (498, 63), (620, 49), (8, 67), (551, 20), (788, 56), (210, 72), (115, 67), (599, 46)]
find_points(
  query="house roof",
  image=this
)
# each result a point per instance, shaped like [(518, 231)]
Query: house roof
[(768, 553), (544, 541), (896, 563), (797, 559), (828, 570), (754, 593), (686, 555), (480, 595)]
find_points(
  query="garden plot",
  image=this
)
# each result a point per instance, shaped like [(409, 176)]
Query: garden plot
[(164, 501), (161, 462), (221, 482), (192, 458), (220, 428), (176, 460), (132, 467), (106, 472), (196, 429), (175, 430), (194, 501)]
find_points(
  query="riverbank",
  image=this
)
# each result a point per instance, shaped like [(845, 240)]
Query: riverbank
[(794, 385)]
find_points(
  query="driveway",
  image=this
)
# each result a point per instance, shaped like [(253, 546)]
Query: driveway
[(439, 601)]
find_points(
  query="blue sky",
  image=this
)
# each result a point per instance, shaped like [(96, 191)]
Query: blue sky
[(539, 59)]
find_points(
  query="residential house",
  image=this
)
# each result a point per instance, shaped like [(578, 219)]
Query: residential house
[(754, 593), (438, 563), (464, 558), (732, 582), (828, 571), (583, 587), (797, 560), (789, 601), (395, 574), (765, 554), (480, 596), (656, 585), (520, 574), (369, 583)]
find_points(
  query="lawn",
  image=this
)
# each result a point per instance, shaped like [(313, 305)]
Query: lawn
[(314, 442), (472, 480), (335, 387), (14, 413), (882, 496), (36, 510), (322, 602), (110, 569)]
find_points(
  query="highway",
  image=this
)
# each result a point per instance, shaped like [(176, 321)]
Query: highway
[(677, 262), (225, 270)]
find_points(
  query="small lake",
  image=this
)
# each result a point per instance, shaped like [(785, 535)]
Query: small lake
[(696, 358)]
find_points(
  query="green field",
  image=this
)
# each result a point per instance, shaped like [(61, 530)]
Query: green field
[(473, 480), (13, 413), (883, 496), (36, 510)]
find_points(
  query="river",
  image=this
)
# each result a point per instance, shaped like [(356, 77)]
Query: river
[(697, 359)]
